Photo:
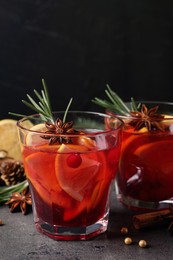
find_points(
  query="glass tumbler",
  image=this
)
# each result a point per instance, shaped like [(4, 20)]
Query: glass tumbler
[(145, 174), (70, 175)]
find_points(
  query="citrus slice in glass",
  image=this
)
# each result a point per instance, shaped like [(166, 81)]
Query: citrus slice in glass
[(75, 180), (38, 167), (157, 154), (87, 142), (40, 170), (33, 138), (156, 157)]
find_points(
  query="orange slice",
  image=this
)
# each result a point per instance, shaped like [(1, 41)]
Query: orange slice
[(87, 142), (38, 167), (129, 141), (70, 148), (157, 159), (75, 181), (40, 170), (9, 140), (157, 154), (168, 121), (33, 138)]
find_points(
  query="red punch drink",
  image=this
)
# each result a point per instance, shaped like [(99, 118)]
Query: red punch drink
[(70, 180), (145, 176), (145, 173), (147, 166)]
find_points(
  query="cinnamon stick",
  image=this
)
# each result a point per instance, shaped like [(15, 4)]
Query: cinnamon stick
[(152, 218)]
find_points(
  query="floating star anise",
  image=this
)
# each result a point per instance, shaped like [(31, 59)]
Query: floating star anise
[(59, 128), (148, 118), (21, 200)]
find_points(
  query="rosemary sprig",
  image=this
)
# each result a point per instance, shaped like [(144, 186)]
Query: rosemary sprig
[(66, 111), (43, 107), (115, 103), (134, 106), (5, 192)]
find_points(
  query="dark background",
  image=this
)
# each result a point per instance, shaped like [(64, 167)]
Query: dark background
[(78, 46)]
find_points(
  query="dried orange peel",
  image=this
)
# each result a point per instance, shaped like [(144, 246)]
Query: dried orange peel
[(9, 140)]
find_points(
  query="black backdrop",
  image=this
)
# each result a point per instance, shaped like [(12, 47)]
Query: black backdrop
[(80, 45)]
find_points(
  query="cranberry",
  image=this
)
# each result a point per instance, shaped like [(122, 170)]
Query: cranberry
[(74, 160)]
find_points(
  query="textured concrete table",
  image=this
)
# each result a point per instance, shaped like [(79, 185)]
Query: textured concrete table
[(20, 241)]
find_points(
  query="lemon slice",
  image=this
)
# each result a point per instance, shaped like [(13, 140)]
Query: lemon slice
[(33, 138), (9, 140), (168, 121), (75, 181), (87, 142), (69, 148)]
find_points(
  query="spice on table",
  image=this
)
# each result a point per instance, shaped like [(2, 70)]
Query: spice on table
[(124, 230), (128, 241), (20, 200), (152, 218), (1, 223), (142, 243)]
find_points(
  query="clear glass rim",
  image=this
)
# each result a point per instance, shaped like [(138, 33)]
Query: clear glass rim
[(125, 117), (99, 132), (152, 102)]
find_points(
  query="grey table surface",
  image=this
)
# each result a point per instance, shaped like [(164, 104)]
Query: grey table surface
[(19, 240)]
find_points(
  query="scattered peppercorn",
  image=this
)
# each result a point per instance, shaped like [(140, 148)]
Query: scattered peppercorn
[(124, 230), (128, 241), (1, 223), (142, 243)]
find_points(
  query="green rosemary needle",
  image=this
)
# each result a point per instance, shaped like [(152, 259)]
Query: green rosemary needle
[(5, 192), (43, 106), (115, 103)]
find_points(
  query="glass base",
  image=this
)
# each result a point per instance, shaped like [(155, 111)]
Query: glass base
[(73, 233), (135, 204)]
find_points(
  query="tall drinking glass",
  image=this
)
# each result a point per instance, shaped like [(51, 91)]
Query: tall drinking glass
[(145, 174), (70, 177)]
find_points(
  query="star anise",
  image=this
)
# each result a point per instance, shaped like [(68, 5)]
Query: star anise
[(148, 118), (59, 128), (20, 200)]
